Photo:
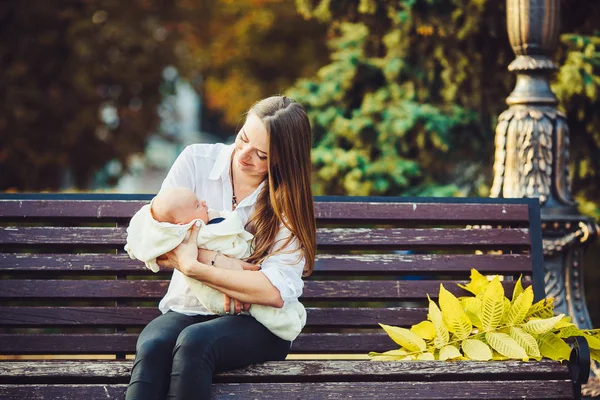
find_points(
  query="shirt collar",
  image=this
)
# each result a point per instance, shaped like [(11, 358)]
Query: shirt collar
[(222, 163)]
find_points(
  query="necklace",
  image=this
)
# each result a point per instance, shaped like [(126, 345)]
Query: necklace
[(233, 198)]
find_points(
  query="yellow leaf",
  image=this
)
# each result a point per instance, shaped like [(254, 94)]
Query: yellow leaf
[(472, 307), (506, 311), (526, 341), (564, 322), (392, 355), (517, 290), (520, 307), (449, 352), (441, 332), (424, 329), (595, 354), (478, 282), (593, 332), (425, 357), (474, 319), (553, 347), (569, 331), (454, 316), (542, 309), (498, 357), (540, 326), (405, 338), (505, 345), (476, 350), (492, 307)]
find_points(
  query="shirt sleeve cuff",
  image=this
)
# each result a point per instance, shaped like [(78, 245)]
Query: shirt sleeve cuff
[(283, 283)]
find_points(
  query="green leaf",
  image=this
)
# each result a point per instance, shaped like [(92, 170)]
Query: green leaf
[(405, 338), (454, 316), (520, 307), (492, 305), (506, 345), (476, 350)]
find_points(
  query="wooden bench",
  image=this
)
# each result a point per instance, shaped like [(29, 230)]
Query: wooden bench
[(68, 289)]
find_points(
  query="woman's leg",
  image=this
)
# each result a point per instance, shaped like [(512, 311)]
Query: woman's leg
[(153, 357), (222, 344)]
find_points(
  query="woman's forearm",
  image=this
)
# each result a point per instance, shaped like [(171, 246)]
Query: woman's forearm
[(246, 286)]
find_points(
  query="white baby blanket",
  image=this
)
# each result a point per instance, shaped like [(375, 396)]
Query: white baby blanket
[(148, 239)]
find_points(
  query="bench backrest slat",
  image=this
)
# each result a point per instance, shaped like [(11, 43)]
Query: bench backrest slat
[(348, 290), (326, 237), (328, 210), (66, 278), (326, 263)]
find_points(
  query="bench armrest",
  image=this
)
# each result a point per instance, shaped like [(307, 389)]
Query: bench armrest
[(579, 364)]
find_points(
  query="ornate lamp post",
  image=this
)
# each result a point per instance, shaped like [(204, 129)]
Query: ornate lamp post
[(532, 153)]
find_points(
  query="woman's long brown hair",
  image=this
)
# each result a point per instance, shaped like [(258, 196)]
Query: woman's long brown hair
[(287, 197)]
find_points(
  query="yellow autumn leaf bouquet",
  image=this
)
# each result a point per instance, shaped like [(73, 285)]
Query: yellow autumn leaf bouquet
[(488, 326)]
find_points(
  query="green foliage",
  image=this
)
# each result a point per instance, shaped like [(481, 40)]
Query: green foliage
[(415, 86), (402, 109), (509, 330), (577, 86)]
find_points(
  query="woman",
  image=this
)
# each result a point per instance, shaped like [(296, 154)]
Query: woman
[(265, 176)]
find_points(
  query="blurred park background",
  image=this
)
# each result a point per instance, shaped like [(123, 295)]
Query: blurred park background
[(403, 95)]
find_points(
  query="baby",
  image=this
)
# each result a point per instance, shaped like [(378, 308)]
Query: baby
[(162, 225)]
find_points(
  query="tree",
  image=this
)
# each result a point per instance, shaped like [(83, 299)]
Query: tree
[(410, 99), (242, 51), (63, 66), (408, 102), (82, 79)]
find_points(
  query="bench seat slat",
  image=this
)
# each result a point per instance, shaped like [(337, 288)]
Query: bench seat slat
[(325, 263), (324, 211), (111, 343), (505, 390), (46, 371), (17, 316), (155, 289), (326, 237)]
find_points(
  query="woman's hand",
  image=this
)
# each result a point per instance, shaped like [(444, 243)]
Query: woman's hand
[(222, 261), (184, 256), (225, 262)]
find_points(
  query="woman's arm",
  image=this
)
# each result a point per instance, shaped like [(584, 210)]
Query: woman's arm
[(247, 286)]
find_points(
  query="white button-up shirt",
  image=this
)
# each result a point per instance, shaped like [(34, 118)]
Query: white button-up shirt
[(204, 168)]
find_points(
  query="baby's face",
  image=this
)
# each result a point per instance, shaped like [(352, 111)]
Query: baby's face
[(190, 210)]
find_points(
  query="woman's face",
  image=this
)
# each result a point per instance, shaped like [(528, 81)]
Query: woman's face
[(252, 147)]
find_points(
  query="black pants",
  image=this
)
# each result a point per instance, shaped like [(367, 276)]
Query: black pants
[(176, 354)]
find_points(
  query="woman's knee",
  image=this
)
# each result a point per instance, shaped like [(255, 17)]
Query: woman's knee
[(196, 338), (154, 346)]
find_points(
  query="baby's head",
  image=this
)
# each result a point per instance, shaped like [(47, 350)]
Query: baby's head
[(178, 206)]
